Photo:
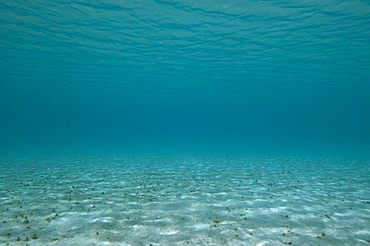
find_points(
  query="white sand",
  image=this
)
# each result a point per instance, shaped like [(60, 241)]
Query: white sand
[(178, 199)]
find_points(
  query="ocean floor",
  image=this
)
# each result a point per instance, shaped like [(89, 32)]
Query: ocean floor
[(184, 199)]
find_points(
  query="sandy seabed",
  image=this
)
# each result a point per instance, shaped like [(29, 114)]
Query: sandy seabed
[(184, 199)]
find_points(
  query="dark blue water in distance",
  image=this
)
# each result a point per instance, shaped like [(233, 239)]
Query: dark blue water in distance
[(193, 75)]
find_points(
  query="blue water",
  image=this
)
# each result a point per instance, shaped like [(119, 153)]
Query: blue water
[(184, 122), (250, 75)]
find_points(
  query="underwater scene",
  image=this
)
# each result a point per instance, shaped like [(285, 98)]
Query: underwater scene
[(184, 122)]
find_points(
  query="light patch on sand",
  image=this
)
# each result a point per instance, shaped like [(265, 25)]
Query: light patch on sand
[(168, 233)]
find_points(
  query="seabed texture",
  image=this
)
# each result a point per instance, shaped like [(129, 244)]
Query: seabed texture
[(172, 199)]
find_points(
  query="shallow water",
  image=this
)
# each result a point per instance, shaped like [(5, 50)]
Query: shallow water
[(106, 74), (178, 199), (184, 122)]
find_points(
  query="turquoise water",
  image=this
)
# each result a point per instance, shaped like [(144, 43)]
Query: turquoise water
[(184, 122), (187, 74)]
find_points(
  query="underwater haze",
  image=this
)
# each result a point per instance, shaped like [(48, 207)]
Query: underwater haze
[(117, 74), (184, 122)]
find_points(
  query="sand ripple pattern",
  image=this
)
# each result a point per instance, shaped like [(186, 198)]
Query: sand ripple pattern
[(184, 200)]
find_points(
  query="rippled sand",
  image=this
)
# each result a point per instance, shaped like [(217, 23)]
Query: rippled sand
[(184, 199)]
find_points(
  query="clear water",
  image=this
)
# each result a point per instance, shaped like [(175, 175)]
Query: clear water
[(124, 73), (174, 122)]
